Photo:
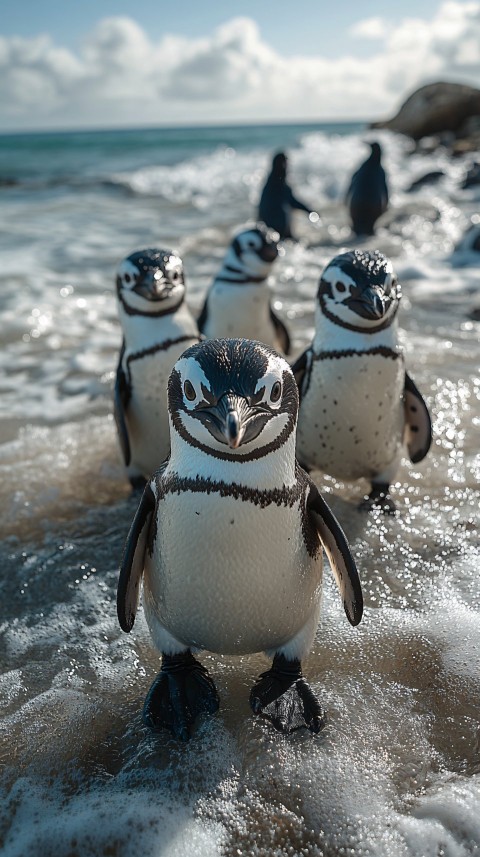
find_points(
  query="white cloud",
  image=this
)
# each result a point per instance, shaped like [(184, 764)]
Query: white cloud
[(229, 65), (122, 77), (35, 76), (369, 28)]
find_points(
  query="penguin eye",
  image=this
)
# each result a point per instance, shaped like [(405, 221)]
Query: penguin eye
[(127, 278), (340, 287), (189, 391), (175, 276), (276, 392)]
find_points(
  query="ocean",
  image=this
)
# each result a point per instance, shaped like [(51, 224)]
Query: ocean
[(396, 772)]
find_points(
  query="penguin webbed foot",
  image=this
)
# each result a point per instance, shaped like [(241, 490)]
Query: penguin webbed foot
[(379, 498), (182, 690), (282, 695)]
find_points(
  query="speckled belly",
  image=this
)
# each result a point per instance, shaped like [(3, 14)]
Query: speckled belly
[(351, 418), (228, 576)]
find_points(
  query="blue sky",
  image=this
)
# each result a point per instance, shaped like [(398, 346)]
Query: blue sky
[(80, 63), (293, 27)]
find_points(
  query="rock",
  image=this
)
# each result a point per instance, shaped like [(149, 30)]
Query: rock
[(436, 109)]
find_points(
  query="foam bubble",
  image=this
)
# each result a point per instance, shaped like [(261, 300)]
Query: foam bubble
[(396, 770)]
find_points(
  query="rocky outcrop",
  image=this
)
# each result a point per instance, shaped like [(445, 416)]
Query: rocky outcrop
[(451, 109)]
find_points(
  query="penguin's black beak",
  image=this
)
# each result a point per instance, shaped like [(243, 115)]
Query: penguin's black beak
[(233, 420), (368, 303), (153, 286)]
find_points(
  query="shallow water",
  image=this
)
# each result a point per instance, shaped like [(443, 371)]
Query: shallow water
[(397, 769)]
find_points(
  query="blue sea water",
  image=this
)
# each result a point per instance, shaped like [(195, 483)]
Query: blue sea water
[(396, 772), (90, 154)]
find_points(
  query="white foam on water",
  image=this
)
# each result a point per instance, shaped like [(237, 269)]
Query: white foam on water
[(396, 770), (106, 822), (219, 178), (52, 474)]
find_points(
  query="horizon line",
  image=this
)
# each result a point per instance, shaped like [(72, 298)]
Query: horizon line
[(182, 125)]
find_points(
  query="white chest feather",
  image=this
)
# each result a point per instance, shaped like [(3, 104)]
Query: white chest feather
[(240, 311), (147, 413), (351, 417), (152, 346), (227, 574)]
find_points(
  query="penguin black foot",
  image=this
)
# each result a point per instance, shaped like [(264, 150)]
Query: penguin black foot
[(182, 690), (282, 695), (137, 482), (379, 498)]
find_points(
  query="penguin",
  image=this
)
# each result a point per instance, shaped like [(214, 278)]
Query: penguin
[(358, 405), (238, 301), (367, 195), (277, 200), (228, 538), (157, 327)]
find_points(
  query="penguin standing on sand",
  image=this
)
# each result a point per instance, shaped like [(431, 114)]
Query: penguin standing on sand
[(238, 301), (358, 406), (157, 327), (367, 195), (228, 537)]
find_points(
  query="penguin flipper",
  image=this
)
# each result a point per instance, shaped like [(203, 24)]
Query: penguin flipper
[(338, 552), (300, 368), (131, 570), (120, 401), (281, 332), (418, 425), (202, 318)]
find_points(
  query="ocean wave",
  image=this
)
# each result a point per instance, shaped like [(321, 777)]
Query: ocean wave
[(396, 770)]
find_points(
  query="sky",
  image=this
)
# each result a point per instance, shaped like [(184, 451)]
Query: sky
[(117, 63)]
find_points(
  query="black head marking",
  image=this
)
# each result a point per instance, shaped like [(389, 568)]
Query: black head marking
[(250, 255), (232, 370), (234, 364), (259, 239), (155, 275), (366, 268), (359, 285)]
